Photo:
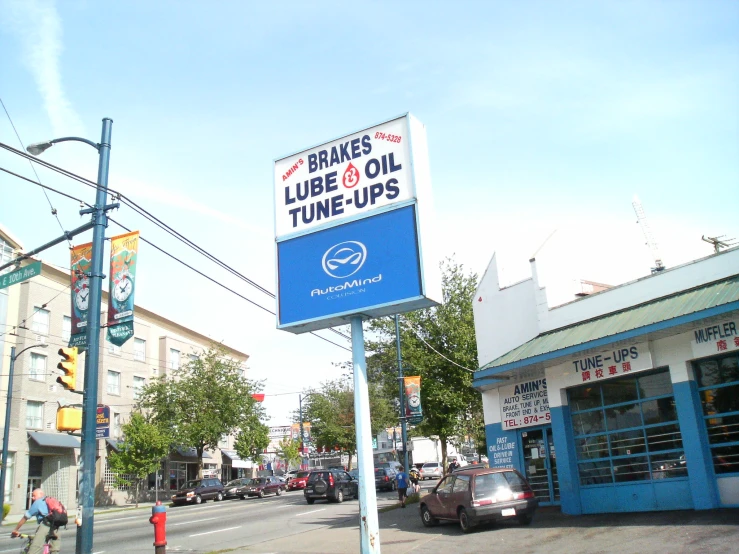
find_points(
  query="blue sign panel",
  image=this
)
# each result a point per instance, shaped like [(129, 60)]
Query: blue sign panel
[(350, 269)]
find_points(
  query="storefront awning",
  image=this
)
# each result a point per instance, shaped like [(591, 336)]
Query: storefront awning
[(660, 316), (191, 453), (54, 440), (114, 444), (235, 459)]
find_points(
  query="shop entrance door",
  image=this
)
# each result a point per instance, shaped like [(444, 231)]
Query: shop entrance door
[(540, 464)]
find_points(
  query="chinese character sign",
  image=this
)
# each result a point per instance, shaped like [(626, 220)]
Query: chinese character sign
[(621, 360), (715, 339)]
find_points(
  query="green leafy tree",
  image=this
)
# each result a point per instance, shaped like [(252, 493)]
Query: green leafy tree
[(139, 454), (252, 439), (330, 411), (289, 450), (202, 401), (439, 345)]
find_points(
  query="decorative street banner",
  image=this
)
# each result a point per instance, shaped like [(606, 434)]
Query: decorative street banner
[(413, 409), (80, 265), (123, 254)]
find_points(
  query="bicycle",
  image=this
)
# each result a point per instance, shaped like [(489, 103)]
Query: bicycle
[(29, 539)]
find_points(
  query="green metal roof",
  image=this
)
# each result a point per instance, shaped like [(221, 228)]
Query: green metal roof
[(667, 309)]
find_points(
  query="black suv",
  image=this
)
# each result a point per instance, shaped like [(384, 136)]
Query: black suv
[(385, 479), (199, 490), (331, 484)]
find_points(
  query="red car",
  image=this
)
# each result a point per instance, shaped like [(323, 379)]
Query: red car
[(299, 481)]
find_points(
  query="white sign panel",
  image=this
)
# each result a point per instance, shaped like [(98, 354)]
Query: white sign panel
[(619, 361), (349, 176), (715, 339), (524, 404)]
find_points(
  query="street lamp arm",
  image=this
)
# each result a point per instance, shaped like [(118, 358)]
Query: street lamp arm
[(38, 147), (28, 348)]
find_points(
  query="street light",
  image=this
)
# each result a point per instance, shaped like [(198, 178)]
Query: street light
[(89, 404), (6, 432)]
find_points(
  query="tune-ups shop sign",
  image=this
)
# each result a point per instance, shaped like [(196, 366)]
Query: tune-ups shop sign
[(350, 218)]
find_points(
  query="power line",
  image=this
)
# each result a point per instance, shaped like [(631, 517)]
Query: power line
[(147, 215), (53, 209)]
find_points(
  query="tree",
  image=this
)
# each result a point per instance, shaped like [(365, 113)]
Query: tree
[(202, 401), (252, 439), (289, 450), (140, 453), (439, 345), (330, 411)]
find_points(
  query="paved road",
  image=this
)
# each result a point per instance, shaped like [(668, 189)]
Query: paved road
[(210, 526)]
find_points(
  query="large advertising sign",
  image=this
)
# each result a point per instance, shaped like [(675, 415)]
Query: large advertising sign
[(607, 364), (351, 217)]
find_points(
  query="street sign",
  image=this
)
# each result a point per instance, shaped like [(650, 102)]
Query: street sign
[(26, 272), (102, 430)]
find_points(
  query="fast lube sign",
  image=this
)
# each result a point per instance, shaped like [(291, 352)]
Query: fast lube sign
[(352, 223)]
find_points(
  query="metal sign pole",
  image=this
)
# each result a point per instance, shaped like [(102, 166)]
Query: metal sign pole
[(369, 528)]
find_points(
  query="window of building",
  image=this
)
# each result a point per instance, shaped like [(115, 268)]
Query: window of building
[(139, 350), (34, 415), (174, 358), (9, 478), (718, 387), (66, 328), (115, 425), (38, 367), (626, 429), (138, 386), (193, 357), (114, 349), (223, 443), (114, 382), (40, 324)]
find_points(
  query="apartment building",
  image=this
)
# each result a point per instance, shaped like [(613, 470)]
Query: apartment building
[(35, 313)]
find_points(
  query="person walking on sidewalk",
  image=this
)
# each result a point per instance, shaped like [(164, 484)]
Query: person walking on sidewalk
[(402, 479), (40, 510)]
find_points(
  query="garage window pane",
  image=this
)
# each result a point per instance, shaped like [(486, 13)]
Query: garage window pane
[(631, 469), (587, 423)]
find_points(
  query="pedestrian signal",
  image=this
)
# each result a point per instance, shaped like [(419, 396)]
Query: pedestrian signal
[(69, 366)]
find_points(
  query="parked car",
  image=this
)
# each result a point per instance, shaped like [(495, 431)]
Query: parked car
[(331, 484), (475, 495), (235, 488), (355, 473), (431, 470), (298, 481), (260, 486), (385, 479), (199, 490), (395, 466), (290, 475)]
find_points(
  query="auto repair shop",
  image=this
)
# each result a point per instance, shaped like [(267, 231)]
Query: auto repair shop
[(626, 399)]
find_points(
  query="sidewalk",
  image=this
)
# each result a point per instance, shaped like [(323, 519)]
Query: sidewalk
[(401, 531)]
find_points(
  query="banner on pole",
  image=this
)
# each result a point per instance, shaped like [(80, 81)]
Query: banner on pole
[(413, 409), (121, 285), (80, 265)]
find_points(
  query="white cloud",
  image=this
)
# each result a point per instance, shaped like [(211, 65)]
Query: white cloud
[(39, 27)]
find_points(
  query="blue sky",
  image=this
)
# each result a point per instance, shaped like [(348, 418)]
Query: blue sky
[(541, 116)]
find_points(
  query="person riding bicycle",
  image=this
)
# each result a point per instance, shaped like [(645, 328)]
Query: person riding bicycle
[(40, 510)]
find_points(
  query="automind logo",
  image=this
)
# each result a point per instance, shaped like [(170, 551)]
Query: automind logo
[(340, 261), (344, 259)]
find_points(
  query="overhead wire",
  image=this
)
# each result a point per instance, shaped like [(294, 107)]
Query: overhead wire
[(54, 211), (147, 215)]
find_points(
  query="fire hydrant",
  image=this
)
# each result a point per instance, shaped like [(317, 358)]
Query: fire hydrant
[(159, 520)]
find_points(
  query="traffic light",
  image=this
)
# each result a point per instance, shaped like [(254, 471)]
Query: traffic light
[(69, 366), (69, 419)]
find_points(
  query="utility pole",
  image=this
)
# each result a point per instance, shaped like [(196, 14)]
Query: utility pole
[(403, 423)]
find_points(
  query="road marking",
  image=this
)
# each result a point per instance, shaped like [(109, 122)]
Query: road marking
[(118, 519), (216, 531), (311, 512), (191, 522)]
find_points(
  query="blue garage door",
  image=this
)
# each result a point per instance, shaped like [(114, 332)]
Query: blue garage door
[(629, 447)]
